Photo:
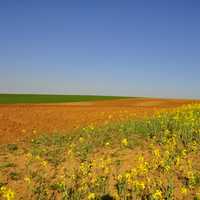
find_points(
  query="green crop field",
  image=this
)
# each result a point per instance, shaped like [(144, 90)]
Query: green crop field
[(40, 98)]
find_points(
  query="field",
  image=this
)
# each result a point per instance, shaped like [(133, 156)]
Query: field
[(25, 120), (122, 149), (40, 98)]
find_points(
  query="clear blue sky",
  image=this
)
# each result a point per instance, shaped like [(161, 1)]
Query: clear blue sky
[(108, 47)]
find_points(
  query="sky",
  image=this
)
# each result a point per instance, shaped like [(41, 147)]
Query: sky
[(105, 47)]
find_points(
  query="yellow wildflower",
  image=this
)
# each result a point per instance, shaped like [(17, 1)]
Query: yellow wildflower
[(139, 185), (184, 190), (157, 153), (8, 194), (107, 144), (91, 196), (81, 139), (119, 178), (125, 142), (157, 195), (44, 163), (184, 152), (28, 180)]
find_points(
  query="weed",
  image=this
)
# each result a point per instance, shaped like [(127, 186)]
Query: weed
[(6, 165)]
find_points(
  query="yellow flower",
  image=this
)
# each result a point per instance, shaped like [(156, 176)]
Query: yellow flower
[(167, 167), (29, 155), (157, 195), (184, 152), (125, 142), (38, 158), (157, 153), (127, 175), (141, 158), (139, 185), (119, 178), (184, 190), (91, 196), (107, 144), (8, 194), (44, 163), (28, 180), (81, 139)]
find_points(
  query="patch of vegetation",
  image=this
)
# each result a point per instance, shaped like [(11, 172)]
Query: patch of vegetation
[(6, 165), (12, 147), (41, 98), (15, 176)]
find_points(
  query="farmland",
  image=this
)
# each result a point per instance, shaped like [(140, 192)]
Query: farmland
[(112, 149), (25, 120), (45, 98)]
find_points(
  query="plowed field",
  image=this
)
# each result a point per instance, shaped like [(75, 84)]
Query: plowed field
[(25, 120)]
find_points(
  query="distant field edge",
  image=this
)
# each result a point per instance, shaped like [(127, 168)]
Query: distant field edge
[(51, 98)]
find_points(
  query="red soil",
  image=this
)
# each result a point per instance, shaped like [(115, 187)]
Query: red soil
[(21, 121)]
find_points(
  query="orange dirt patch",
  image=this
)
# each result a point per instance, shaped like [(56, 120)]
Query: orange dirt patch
[(25, 120)]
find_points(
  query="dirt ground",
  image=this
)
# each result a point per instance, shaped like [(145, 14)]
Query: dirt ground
[(25, 120)]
